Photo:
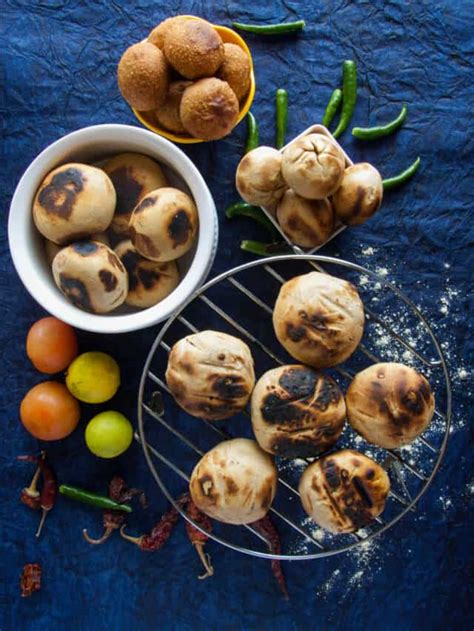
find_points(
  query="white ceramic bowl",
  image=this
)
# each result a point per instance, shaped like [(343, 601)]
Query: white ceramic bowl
[(92, 144)]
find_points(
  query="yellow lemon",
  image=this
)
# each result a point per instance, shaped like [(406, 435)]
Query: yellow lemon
[(109, 434), (93, 377)]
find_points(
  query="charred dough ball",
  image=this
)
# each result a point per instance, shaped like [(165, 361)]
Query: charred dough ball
[(91, 276), (210, 374), (306, 222), (164, 224), (344, 491), (389, 404), (143, 76), (167, 114), (74, 201), (235, 69), (161, 32), (133, 176), (319, 319), (194, 48), (313, 166), (148, 282), (209, 109), (359, 195), (297, 412), (259, 179), (235, 482)]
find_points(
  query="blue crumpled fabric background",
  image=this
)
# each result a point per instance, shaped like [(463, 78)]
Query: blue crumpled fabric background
[(57, 74)]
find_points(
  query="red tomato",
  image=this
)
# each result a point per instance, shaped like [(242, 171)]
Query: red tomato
[(49, 411), (51, 345)]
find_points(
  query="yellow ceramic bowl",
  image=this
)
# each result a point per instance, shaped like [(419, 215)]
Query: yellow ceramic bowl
[(228, 35)]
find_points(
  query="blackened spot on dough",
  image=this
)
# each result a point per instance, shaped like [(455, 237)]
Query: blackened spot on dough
[(59, 196), (298, 382), (179, 228), (148, 277), (84, 248), (76, 291), (130, 260), (229, 387), (332, 473), (108, 280), (145, 203), (127, 188), (295, 333)]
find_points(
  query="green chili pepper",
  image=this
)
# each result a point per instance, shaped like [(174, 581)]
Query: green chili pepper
[(270, 29), (401, 178), (281, 117), (332, 107), (252, 133), (242, 209), (263, 249), (349, 95), (371, 133), (91, 498)]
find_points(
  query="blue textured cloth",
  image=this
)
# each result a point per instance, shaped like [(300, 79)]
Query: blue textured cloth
[(57, 74)]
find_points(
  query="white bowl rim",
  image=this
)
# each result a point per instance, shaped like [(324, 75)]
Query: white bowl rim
[(52, 301)]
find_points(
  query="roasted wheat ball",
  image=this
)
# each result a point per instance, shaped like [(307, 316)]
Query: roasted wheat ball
[(389, 404), (306, 222), (167, 114), (160, 32), (359, 195), (194, 48), (313, 166), (164, 224), (209, 109), (148, 282), (210, 374), (235, 69), (235, 482), (91, 276), (297, 412), (73, 202), (133, 176), (143, 76), (344, 491), (319, 319), (258, 179)]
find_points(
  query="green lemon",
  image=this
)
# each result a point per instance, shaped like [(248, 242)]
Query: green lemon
[(109, 434), (93, 377)]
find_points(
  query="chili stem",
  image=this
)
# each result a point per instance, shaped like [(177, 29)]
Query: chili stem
[(205, 559), (401, 178), (42, 520), (106, 534), (281, 117), (372, 133), (271, 29)]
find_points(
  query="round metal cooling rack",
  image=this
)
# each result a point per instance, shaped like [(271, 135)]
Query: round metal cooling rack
[(395, 330)]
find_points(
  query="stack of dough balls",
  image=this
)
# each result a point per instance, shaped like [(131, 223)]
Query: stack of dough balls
[(186, 79), (308, 187), (114, 234)]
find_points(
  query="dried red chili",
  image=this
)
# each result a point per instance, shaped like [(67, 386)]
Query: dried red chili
[(50, 486), (198, 538), (160, 534), (113, 519), (266, 527), (30, 580)]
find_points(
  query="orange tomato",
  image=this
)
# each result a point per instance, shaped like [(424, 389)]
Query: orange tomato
[(49, 411), (51, 345)]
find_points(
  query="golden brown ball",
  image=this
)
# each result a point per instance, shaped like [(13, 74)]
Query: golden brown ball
[(319, 319), (209, 109), (194, 48), (306, 222), (297, 412), (158, 35), (344, 491), (235, 482), (359, 194), (167, 114), (210, 374), (143, 76), (390, 404), (235, 69)]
